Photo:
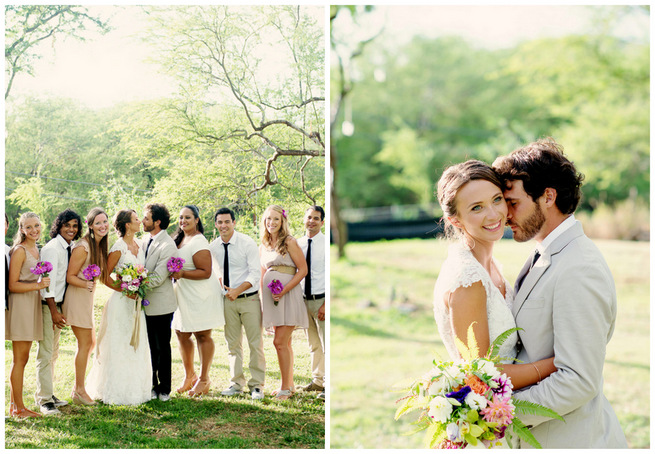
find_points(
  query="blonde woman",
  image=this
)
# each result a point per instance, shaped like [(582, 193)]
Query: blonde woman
[(24, 318), (282, 259)]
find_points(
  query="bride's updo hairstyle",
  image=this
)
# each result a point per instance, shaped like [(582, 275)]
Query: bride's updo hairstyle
[(452, 180), (122, 218)]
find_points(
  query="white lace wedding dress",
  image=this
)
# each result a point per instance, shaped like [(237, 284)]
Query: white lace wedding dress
[(121, 374), (461, 269)]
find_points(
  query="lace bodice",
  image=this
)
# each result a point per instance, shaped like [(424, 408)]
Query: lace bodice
[(461, 269), (126, 255)]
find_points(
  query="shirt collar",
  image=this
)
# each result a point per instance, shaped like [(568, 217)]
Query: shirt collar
[(552, 236), (62, 242), (232, 240)]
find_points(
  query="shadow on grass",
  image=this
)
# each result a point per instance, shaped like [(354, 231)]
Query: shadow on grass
[(362, 329), (210, 422)]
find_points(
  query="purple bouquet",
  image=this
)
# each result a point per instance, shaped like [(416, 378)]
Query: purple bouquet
[(276, 288), (175, 264), (91, 272), (42, 269)]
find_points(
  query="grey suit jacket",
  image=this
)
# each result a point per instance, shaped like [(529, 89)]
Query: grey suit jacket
[(567, 309), (161, 295)]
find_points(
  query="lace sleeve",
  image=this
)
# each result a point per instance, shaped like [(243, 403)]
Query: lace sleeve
[(120, 246)]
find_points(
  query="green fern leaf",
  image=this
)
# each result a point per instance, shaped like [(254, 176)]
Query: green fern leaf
[(405, 408), (523, 432), (530, 408), (494, 348)]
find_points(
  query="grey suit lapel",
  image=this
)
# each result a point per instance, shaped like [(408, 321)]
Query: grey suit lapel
[(543, 264)]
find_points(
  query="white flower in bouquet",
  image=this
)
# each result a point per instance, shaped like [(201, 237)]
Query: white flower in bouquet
[(132, 288), (453, 376), (453, 432), (488, 368), (126, 278), (475, 401), (437, 387), (440, 409)]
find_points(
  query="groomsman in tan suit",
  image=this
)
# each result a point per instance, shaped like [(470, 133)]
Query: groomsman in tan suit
[(565, 299), (313, 285), (238, 256), (160, 247)]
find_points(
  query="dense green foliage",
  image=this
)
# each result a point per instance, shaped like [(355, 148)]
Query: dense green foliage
[(421, 106), (239, 132)]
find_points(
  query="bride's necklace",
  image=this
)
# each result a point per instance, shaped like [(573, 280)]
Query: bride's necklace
[(499, 282)]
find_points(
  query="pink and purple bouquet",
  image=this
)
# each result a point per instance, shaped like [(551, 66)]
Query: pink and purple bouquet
[(276, 288), (91, 272), (175, 264), (469, 403), (42, 269), (133, 280)]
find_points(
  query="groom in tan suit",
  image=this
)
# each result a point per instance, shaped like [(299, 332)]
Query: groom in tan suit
[(565, 299)]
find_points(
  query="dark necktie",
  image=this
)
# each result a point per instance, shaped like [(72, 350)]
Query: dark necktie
[(308, 278), (226, 267), (534, 260), (148, 246), (68, 251)]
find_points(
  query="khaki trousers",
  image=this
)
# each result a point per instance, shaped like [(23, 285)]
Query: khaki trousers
[(316, 340), (46, 356), (246, 312)]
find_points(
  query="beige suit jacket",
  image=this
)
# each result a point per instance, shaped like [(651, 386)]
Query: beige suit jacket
[(567, 308), (161, 295)]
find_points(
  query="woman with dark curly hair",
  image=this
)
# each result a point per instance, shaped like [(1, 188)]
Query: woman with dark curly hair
[(121, 373)]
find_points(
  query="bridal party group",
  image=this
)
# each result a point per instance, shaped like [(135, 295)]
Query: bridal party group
[(161, 284)]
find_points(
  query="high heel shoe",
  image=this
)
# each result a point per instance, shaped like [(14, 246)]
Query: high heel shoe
[(187, 384), (81, 400), (201, 387)]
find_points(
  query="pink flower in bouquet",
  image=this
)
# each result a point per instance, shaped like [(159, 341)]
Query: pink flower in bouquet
[(175, 264), (276, 288), (42, 269), (91, 272), (499, 410)]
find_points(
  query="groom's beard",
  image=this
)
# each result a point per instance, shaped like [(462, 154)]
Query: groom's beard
[(530, 227)]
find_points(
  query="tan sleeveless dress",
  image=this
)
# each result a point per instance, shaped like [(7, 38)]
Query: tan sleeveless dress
[(24, 319), (78, 303)]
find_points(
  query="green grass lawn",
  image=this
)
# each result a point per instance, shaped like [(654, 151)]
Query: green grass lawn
[(212, 421), (383, 332)]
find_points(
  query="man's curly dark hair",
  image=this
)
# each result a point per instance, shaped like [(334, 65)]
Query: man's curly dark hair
[(542, 165), (64, 217)]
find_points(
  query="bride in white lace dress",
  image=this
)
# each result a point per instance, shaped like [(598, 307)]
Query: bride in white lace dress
[(122, 374), (471, 287)]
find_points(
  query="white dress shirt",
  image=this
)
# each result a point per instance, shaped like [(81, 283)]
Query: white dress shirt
[(55, 252), (243, 258), (7, 249), (317, 271), (557, 231)]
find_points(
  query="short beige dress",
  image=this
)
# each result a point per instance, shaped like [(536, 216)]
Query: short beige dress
[(24, 319), (291, 309), (78, 302)]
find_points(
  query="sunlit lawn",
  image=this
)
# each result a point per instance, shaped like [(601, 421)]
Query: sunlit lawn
[(213, 421), (378, 340)]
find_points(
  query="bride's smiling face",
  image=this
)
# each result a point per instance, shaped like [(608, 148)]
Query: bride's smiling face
[(481, 211)]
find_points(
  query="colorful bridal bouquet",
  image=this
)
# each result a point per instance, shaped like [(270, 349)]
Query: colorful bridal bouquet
[(276, 288), (91, 272), (42, 269), (133, 280), (175, 264), (469, 403)]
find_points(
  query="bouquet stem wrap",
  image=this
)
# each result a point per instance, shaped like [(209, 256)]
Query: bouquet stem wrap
[(136, 326)]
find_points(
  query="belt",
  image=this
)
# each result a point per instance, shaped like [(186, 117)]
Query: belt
[(45, 303), (315, 297), (283, 269), (246, 295)]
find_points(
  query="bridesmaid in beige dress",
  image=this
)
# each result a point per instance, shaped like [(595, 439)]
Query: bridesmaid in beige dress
[(281, 258), (78, 303), (23, 320)]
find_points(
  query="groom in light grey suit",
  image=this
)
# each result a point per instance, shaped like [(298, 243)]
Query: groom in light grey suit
[(160, 247), (565, 299)]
